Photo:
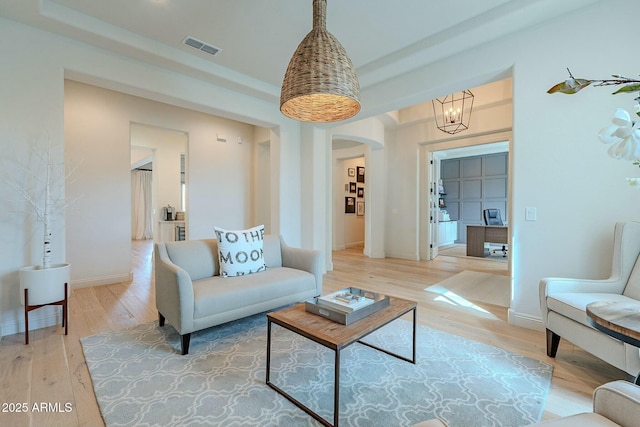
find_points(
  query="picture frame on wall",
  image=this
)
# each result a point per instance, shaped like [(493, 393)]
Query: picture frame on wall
[(349, 205), (352, 187), (360, 174), (360, 192), (360, 209), (351, 172)]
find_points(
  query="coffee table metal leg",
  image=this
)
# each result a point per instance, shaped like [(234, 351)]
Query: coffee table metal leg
[(390, 353), (413, 360), (268, 350), (336, 390), (336, 394)]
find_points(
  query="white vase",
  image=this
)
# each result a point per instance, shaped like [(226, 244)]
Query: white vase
[(46, 285)]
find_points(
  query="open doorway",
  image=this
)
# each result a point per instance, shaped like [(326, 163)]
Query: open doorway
[(349, 189), (465, 181), (159, 184)]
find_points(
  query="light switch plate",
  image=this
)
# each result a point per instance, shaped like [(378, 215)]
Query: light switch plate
[(530, 214)]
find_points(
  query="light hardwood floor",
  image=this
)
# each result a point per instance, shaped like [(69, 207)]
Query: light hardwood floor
[(52, 369)]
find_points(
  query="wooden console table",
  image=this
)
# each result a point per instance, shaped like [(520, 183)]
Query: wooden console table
[(477, 235)]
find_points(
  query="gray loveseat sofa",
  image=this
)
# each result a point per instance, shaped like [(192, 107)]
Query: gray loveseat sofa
[(191, 294)]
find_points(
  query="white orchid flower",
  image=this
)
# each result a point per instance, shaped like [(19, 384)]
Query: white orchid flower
[(624, 135)]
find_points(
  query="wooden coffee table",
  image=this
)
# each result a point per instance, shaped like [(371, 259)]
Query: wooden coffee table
[(336, 337), (620, 320)]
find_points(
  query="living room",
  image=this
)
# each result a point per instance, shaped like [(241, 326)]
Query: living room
[(558, 166)]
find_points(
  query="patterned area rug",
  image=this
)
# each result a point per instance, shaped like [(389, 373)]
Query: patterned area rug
[(140, 379)]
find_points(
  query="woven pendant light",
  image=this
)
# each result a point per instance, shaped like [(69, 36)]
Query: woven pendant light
[(320, 84)]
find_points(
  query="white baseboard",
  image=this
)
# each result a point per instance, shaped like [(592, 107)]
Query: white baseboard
[(104, 280), (525, 321), (42, 318), (353, 244), (401, 255), (51, 315)]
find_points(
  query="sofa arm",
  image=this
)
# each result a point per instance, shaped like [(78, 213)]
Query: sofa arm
[(174, 291), (303, 259), (618, 401)]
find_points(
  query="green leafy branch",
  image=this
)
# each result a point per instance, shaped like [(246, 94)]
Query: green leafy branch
[(573, 85)]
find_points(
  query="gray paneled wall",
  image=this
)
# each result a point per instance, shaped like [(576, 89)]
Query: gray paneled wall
[(473, 184)]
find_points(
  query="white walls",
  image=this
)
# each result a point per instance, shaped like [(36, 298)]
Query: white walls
[(262, 178), (31, 100), (554, 146), (36, 63), (97, 130)]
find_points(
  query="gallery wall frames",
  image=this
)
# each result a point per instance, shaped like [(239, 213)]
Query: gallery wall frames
[(349, 205)]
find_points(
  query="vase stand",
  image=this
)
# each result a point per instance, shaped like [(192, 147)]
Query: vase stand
[(27, 308)]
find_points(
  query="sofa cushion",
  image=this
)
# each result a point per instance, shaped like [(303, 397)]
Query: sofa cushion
[(574, 304), (240, 251), (216, 295), (272, 251), (197, 257)]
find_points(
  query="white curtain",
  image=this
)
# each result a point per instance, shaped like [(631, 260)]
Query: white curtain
[(142, 218)]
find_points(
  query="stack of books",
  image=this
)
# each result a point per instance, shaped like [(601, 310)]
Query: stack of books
[(345, 301), (347, 305)]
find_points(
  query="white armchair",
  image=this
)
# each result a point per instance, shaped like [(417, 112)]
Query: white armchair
[(563, 303)]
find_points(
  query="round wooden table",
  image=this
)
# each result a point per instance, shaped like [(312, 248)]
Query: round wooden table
[(620, 320)]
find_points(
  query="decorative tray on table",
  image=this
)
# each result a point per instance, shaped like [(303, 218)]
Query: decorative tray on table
[(347, 305)]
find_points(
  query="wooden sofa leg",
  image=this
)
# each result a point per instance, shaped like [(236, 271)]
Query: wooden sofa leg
[(553, 340), (184, 342), (160, 319)]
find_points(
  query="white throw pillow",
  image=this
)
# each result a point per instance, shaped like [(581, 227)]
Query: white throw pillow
[(240, 251)]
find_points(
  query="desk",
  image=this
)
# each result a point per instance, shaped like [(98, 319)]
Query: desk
[(477, 235), (620, 320)]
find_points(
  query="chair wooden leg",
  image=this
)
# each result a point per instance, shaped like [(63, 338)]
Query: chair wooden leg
[(26, 316), (184, 342), (160, 319), (553, 341)]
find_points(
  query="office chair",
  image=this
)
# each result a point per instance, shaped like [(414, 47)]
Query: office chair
[(492, 217)]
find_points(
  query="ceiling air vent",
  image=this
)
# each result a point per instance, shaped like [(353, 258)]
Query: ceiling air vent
[(200, 45)]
